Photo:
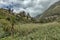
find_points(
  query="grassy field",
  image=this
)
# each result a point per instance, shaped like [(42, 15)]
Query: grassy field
[(31, 31)]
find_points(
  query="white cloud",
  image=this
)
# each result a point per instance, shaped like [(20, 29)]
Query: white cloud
[(34, 7)]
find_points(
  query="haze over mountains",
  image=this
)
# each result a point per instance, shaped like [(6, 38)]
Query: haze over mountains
[(34, 7), (52, 13)]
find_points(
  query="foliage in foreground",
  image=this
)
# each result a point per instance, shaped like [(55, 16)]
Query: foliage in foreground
[(48, 31)]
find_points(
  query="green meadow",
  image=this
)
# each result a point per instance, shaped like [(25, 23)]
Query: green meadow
[(32, 31)]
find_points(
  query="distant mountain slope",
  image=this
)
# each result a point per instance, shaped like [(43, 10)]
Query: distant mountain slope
[(55, 8), (52, 13)]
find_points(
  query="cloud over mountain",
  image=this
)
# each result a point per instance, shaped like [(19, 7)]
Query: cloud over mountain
[(34, 7)]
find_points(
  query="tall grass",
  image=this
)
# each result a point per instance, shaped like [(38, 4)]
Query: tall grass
[(48, 31)]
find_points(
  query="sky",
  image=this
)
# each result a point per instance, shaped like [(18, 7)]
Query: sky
[(34, 7)]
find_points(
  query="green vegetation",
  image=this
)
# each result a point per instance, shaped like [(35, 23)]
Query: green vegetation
[(22, 26), (48, 31), (51, 14)]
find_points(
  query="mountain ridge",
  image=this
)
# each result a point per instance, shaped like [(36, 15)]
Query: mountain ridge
[(51, 14)]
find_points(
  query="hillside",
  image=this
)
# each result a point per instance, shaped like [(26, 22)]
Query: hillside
[(22, 26), (18, 17), (9, 22), (53, 9), (52, 13)]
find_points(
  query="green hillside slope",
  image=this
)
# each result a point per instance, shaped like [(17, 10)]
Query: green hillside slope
[(52, 13)]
